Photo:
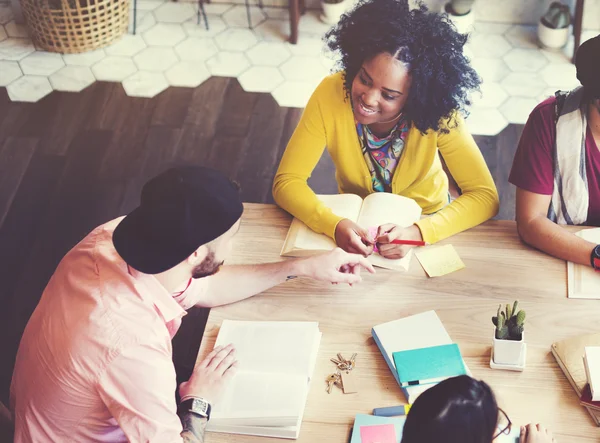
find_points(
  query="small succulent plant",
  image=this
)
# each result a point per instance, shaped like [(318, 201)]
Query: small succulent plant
[(558, 16), (509, 323)]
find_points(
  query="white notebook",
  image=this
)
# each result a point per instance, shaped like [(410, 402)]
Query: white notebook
[(268, 394), (583, 281), (415, 332), (375, 210)]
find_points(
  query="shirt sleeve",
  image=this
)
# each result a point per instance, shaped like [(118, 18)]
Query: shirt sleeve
[(290, 186), (479, 200), (138, 388), (533, 168)]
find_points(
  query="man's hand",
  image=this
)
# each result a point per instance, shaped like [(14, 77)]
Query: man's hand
[(389, 232), (353, 238), (335, 266), (535, 434), (211, 375)]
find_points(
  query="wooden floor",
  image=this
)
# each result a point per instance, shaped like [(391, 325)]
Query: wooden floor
[(76, 160)]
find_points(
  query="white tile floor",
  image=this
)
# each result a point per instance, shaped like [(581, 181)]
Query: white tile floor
[(171, 49)]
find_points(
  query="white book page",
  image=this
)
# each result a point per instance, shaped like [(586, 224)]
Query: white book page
[(584, 281), (261, 399), (344, 205), (381, 208), (272, 347)]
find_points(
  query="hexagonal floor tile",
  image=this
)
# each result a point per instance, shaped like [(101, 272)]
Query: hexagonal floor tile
[(128, 46), (85, 58), (562, 76), (155, 59), (236, 39), (187, 74), (227, 64), (6, 14), (9, 71), (164, 34), (174, 12), (72, 78), (525, 60), (260, 79), (547, 94), (145, 21), (145, 84), (3, 34), (523, 36), (524, 84), (15, 48), (16, 30), (237, 16), (41, 63), (490, 69), (272, 30), (29, 88), (114, 69), (310, 45), (517, 109), (268, 54), (492, 95), (216, 25), (148, 5), (489, 45), (302, 68), (196, 49), (277, 13), (486, 122), (293, 94), (491, 28), (311, 24)]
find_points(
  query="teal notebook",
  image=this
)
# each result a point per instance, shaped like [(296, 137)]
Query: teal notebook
[(371, 420), (428, 365)]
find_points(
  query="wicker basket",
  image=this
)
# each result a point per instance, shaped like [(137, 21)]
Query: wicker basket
[(72, 26)]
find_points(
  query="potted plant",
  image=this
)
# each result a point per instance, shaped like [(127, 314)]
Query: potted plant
[(333, 10), (553, 28), (461, 13), (509, 338)]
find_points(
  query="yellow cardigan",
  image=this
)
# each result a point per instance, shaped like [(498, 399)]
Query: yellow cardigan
[(328, 121)]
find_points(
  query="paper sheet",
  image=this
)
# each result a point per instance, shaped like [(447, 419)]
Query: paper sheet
[(440, 260), (378, 434)]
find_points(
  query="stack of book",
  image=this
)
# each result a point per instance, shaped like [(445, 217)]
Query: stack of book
[(419, 352), (590, 398), (268, 394), (569, 356)]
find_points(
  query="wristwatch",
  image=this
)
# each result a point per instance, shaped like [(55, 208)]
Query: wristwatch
[(198, 406), (595, 258)]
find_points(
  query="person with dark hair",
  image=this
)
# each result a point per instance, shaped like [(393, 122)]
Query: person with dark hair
[(385, 117), (463, 410), (556, 168), (95, 363)]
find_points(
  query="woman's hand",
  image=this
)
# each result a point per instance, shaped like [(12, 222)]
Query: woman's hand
[(389, 232), (352, 238), (535, 434)]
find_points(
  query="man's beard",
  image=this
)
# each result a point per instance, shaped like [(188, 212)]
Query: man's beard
[(208, 267)]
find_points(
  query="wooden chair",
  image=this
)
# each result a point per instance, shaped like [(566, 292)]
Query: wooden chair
[(577, 26), (297, 8)]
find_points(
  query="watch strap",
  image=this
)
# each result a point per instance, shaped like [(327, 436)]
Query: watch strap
[(595, 258)]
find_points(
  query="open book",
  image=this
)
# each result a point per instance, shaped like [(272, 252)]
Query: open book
[(268, 394), (583, 281), (375, 210)]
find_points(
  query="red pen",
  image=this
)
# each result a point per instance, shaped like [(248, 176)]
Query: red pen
[(408, 242)]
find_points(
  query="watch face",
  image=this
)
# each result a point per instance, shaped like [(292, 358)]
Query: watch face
[(199, 406)]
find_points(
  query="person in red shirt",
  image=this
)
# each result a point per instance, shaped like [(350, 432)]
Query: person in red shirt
[(556, 168)]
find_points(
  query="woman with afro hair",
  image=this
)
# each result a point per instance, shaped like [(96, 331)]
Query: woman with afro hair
[(385, 117)]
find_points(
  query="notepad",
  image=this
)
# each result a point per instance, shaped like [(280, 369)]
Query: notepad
[(584, 281), (378, 434), (366, 420), (591, 361), (268, 394), (439, 260), (375, 210), (428, 365)]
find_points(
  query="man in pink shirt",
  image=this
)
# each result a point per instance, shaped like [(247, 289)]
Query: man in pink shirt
[(556, 168), (94, 363)]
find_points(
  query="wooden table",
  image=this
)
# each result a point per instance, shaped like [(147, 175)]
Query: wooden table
[(499, 269)]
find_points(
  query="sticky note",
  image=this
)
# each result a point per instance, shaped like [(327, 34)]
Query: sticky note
[(439, 260), (378, 434)]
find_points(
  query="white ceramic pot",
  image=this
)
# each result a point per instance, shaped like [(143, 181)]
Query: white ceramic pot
[(508, 352), (552, 38), (464, 23), (333, 11)]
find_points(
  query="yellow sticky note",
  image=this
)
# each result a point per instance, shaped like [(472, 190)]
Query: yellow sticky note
[(440, 260)]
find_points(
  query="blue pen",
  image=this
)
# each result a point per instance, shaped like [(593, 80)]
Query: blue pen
[(392, 411)]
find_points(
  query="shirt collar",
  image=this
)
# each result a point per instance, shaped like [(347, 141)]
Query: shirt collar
[(155, 292)]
